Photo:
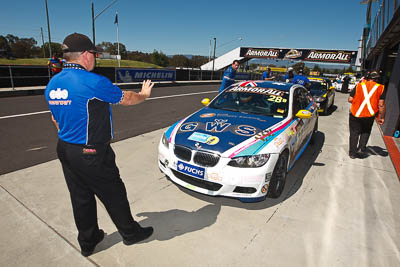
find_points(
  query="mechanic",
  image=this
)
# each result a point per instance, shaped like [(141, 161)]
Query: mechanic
[(289, 75), (229, 76), (79, 101), (301, 79), (267, 75), (54, 64), (367, 102)]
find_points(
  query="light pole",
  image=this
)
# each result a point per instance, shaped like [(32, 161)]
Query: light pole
[(215, 46), (48, 26), (95, 17)]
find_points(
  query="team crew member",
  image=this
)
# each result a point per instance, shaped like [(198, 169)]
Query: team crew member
[(55, 64), (229, 76), (79, 102), (289, 75), (267, 75), (367, 100), (301, 79)]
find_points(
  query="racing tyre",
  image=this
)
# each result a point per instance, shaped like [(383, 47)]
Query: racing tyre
[(278, 179), (326, 109)]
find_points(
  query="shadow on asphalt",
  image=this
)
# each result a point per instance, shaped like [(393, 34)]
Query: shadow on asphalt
[(169, 224), (293, 183)]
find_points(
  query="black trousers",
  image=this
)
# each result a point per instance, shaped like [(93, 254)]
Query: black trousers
[(91, 171), (360, 130)]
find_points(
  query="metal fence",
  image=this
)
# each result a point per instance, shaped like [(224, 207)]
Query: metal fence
[(19, 76), (12, 76)]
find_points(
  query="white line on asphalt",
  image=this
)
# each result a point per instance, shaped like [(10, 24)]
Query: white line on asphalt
[(26, 114), (151, 98)]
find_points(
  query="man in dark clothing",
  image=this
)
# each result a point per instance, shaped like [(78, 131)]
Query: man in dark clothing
[(80, 104), (367, 102), (345, 84)]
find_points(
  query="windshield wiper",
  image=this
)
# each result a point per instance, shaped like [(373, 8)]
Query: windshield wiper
[(230, 109)]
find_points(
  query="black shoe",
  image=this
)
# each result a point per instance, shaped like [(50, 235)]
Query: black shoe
[(143, 234), (88, 252), (352, 156)]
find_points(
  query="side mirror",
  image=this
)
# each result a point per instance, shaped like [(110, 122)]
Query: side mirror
[(303, 114), (205, 101)]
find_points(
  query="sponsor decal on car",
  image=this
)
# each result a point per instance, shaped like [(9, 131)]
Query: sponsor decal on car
[(191, 170), (256, 90), (207, 115), (203, 138), (217, 126), (188, 127)]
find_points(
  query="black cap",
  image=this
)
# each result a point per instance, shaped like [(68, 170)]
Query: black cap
[(77, 42)]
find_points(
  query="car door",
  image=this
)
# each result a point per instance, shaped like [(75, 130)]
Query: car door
[(301, 100)]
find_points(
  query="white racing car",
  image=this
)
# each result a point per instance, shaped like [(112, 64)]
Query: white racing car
[(243, 143)]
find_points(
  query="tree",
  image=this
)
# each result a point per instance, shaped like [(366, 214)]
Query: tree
[(179, 61), (159, 58), (4, 47), (197, 61), (55, 48)]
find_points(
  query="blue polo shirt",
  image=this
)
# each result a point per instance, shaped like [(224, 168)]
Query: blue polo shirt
[(80, 102), (228, 79), (300, 79)]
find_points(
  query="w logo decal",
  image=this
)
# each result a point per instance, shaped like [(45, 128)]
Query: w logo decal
[(217, 126)]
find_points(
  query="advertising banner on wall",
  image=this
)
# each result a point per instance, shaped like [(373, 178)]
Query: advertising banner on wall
[(138, 75), (314, 55)]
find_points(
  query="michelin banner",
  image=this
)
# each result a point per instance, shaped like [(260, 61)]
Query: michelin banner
[(316, 55), (138, 75)]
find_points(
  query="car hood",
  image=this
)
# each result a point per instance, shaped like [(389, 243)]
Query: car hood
[(219, 130)]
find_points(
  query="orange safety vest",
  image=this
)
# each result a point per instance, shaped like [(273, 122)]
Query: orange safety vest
[(366, 99)]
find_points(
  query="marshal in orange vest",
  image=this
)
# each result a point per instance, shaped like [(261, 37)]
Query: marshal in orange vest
[(366, 99)]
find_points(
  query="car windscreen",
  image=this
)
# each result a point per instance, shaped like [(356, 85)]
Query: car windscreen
[(253, 100), (318, 86)]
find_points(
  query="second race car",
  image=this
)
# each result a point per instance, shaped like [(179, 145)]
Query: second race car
[(243, 143), (323, 93)]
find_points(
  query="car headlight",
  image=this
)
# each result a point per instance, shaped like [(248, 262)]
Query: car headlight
[(249, 161), (319, 99), (164, 140)]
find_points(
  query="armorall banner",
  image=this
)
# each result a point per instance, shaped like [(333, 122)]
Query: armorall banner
[(138, 75), (316, 55)]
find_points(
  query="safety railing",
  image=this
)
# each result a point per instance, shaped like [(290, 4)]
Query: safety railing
[(12, 76)]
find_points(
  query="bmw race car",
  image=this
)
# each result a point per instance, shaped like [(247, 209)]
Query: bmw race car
[(243, 143), (323, 93)]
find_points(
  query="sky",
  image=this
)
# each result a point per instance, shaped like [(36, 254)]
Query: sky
[(186, 27)]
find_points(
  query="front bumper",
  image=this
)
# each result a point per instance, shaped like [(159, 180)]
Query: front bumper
[(222, 179)]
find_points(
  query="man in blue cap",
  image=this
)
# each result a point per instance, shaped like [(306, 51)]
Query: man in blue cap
[(80, 104)]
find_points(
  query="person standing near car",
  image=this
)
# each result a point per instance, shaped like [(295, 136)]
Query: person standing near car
[(345, 84), (301, 79), (54, 64), (367, 102), (289, 75), (80, 104), (267, 75), (229, 76)]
